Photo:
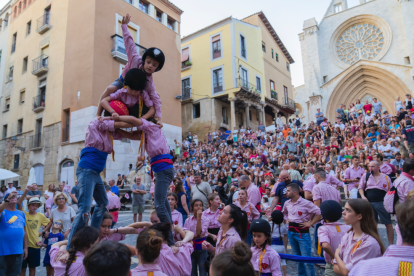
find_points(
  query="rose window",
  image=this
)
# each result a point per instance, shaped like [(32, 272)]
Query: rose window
[(361, 41)]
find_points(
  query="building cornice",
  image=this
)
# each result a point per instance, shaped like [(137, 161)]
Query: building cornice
[(172, 6)]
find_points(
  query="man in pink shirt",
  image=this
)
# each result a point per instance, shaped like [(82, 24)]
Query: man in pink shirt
[(311, 182), (301, 214), (397, 259), (253, 193), (114, 204), (353, 174), (374, 191), (152, 61)]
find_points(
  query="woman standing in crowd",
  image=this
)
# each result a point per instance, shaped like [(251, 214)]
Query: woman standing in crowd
[(182, 203), (62, 212)]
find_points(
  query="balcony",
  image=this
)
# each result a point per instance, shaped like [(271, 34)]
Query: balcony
[(43, 23), (186, 94), (186, 65), (273, 95), (218, 87), (39, 103), (40, 65), (118, 49), (65, 135), (242, 83), (36, 142), (290, 103)]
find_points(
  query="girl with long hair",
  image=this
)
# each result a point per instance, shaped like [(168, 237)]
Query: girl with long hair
[(362, 242), (252, 213), (79, 245), (212, 213), (177, 217), (182, 202), (234, 226)]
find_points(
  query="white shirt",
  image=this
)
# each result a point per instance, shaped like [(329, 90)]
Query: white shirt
[(394, 150), (341, 126), (395, 139), (10, 190), (384, 148)]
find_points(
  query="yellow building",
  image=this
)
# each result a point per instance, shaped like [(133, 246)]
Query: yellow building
[(231, 69), (61, 55)]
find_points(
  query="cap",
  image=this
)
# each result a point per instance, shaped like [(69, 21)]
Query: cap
[(34, 200), (331, 210)]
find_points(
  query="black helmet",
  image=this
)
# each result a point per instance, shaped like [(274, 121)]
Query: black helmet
[(277, 217), (331, 210), (260, 225), (156, 54), (136, 79)]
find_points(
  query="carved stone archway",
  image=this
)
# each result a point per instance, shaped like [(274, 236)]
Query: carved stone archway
[(366, 80)]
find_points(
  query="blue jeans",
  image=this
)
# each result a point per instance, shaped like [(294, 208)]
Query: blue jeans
[(198, 258), (301, 245), (90, 185), (162, 206)]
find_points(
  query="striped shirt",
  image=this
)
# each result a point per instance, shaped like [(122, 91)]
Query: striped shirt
[(300, 211), (397, 260), (324, 191)]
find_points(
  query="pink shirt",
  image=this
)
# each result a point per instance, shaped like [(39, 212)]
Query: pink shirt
[(76, 268), (382, 184), (253, 194), (330, 234), (155, 141), (98, 135), (212, 217), (252, 212), (143, 269), (113, 201), (385, 168), (351, 253), (227, 241), (311, 182), (129, 100), (115, 237), (388, 264), (177, 218), (404, 184), (135, 61), (49, 202), (324, 191), (270, 261), (352, 173), (191, 224), (178, 264), (300, 211)]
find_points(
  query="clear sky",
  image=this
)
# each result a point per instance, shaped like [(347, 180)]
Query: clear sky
[(286, 17)]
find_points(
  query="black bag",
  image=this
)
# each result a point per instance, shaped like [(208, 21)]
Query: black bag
[(366, 180), (297, 123)]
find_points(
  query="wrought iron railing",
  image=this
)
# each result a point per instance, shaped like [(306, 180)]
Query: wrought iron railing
[(185, 93), (273, 95), (118, 45), (218, 86), (36, 141), (289, 102), (40, 62), (242, 83), (43, 21), (39, 101)]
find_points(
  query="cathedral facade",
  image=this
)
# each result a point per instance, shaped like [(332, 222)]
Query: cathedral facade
[(355, 53)]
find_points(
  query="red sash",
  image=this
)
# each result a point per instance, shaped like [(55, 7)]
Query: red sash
[(169, 161)]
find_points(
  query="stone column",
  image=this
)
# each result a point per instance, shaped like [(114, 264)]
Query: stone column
[(247, 115), (264, 116), (232, 114)]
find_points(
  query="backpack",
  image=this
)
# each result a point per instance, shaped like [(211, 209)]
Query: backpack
[(297, 123), (391, 199)]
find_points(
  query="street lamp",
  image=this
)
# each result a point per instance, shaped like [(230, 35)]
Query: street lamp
[(14, 141)]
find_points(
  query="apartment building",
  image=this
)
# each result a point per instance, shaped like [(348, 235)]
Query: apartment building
[(233, 73), (63, 55)]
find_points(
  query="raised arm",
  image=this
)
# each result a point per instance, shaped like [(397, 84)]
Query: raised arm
[(130, 47)]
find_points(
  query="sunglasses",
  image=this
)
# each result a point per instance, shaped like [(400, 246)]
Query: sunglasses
[(58, 223)]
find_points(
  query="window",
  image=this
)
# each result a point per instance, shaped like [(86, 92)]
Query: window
[(263, 47), (244, 78), (7, 106), (338, 8), (277, 57), (407, 60), (242, 46), (20, 126), (24, 4), (4, 131), (129, 1), (11, 73), (325, 79), (285, 90), (29, 28), (185, 88), (22, 96), (272, 85), (14, 43), (287, 66), (217, 80), (224, 114), (66, 124), (216, 46), (272, 54), (196, 110), (159, 16), (16, 161), (46, 18), (25, 65), (258, 84), (170, 24), (185, 57), (143, 7)]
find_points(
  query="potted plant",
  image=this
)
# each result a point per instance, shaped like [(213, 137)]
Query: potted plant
[(188, 63)]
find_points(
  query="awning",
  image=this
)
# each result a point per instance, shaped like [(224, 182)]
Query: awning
[(5, 174), (216, 38), (185, 54)]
